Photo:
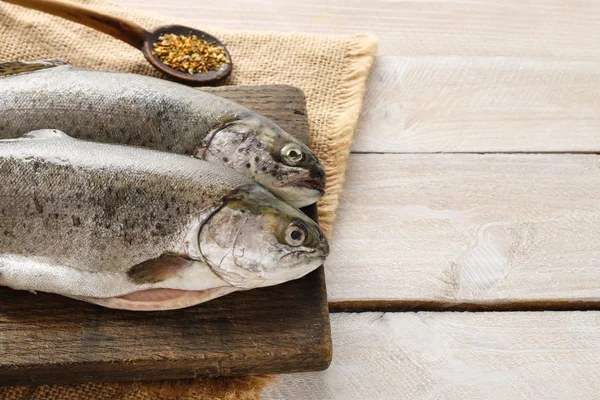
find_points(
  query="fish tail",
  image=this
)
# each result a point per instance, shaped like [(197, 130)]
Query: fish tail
[(21, 67)]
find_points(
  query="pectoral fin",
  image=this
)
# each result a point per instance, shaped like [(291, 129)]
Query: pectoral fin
[(199, 152), (158, 269), (160, 299), (21, 67)]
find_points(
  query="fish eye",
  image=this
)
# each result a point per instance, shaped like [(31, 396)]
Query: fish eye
[(295, 234), (292, 154)]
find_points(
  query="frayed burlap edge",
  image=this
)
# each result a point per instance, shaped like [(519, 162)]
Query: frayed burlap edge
[(350, 94), (224, 388)]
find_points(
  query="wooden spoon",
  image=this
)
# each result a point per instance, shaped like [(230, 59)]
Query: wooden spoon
[(134, 35)]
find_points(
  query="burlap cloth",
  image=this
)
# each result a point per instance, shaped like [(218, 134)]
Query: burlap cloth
[(331, 70)]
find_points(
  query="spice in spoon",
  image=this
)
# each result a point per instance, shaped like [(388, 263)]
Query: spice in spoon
[(189, 53)]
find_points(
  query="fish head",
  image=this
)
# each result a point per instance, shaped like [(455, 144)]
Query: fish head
[(254, 239), (263, 151)]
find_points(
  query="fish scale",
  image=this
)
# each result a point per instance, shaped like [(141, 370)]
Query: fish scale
[(111, 108), (137, 110), (127, 227), (122, 209)]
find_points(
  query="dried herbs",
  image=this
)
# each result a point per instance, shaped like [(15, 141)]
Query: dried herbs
[(189, 53)]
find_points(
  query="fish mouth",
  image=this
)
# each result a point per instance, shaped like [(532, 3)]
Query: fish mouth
[(307, 266), (310, 183), (298, 253), (314, 255)]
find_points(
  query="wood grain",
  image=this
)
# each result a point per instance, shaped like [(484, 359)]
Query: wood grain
[(288, 110), (486, 356), (479, 104), (454, 76), (481, 229), (438, 231), (47, 338), (541, 29)]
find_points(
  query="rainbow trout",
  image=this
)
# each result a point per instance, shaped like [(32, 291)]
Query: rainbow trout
[(142, 111), (140, 229)]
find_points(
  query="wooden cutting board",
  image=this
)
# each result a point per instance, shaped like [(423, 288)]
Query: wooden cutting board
[(46, 338)]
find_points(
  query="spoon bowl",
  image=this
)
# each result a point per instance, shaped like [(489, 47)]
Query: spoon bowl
[(206, 78), (134, 35)]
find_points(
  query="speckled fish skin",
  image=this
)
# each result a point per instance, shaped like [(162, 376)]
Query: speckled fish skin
[(143, 111), (76, 216)]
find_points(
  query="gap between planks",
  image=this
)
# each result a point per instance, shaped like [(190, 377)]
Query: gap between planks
[(480, 105), (487, 28), (441, 87), (476, 152), (453, 76), (467, 232), (359, 306)]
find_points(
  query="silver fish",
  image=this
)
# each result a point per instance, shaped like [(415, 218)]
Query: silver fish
[(140, 229), (142, 111)]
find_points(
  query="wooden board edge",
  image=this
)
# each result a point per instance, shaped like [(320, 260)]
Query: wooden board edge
[(245, 87), (293, 100), (325, 347), (441, 306), (137, 371)]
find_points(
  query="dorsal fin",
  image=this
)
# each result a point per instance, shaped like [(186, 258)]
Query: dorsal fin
[(46, 134), (21, 67)]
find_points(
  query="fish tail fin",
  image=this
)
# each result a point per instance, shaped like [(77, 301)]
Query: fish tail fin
[(21, 67)]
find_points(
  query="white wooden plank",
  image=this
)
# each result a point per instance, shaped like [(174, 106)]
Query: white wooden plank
[(469, 76), (484, 356), (549, 29), (475, 104), (467, 228)]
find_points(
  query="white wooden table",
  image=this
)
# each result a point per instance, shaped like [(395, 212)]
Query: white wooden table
[(474, 185)]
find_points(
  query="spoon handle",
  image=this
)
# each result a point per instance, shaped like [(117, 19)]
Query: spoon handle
[(118, 28)]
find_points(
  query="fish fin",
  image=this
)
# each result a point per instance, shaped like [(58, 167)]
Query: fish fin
[(20, 67), (158, 269), (199, 152), (46, 134), (160, 299)]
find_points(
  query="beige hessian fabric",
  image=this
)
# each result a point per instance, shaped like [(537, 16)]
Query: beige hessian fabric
[(243, 388), (331, 70)]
